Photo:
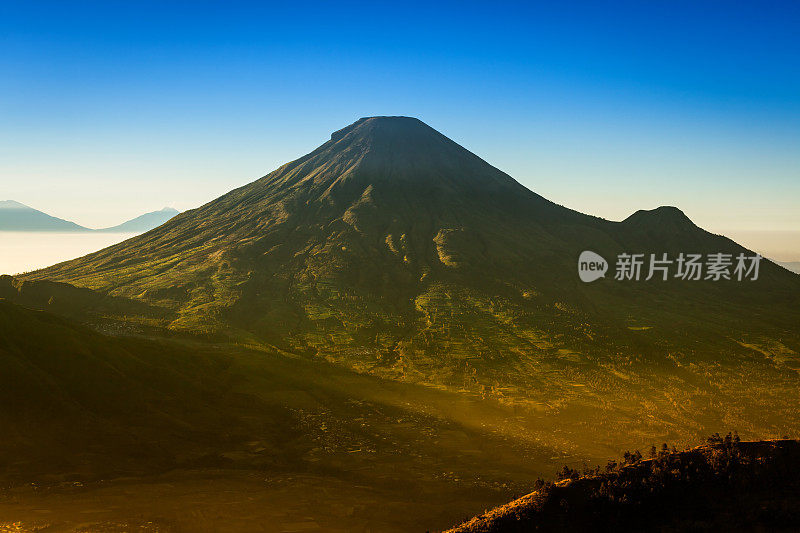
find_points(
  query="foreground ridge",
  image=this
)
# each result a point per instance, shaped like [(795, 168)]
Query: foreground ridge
[(725, 485)]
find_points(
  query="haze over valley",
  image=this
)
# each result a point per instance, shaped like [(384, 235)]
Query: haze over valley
[(31, 239)]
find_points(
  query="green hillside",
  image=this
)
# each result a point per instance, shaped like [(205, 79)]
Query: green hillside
[(393, 250)]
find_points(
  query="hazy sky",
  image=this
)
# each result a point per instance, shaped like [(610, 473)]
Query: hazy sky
[(110, 109)]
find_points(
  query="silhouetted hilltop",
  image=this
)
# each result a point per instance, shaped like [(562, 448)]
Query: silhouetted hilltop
[(725, 485)]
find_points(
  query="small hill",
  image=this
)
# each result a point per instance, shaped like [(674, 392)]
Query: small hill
[(724, 485), (80, 403), (84, 305), (15, 216)]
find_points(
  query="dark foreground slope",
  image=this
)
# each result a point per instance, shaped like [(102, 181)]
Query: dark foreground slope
[(124, 430), (80, 404), (722, 486), (86, 306)]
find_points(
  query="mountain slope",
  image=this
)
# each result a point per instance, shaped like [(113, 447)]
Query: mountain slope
[(15, 216), (393, 250), (77, 402), (143, 223), (792, 266)]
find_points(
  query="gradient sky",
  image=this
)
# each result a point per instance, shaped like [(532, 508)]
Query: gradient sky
[(110, 109)]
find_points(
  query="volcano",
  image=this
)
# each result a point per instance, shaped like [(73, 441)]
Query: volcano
[(392, 250)]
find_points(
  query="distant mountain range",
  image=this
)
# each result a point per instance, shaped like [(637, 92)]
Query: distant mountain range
[(144, 222), (15, 216)]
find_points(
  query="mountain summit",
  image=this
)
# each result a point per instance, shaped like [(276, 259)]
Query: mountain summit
[(404, 149), (397, 160), (393, 250)]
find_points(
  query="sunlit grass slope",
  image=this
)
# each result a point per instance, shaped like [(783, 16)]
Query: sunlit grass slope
[(392, 250)]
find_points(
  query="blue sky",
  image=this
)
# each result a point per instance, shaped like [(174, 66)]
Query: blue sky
[(110, 109)]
